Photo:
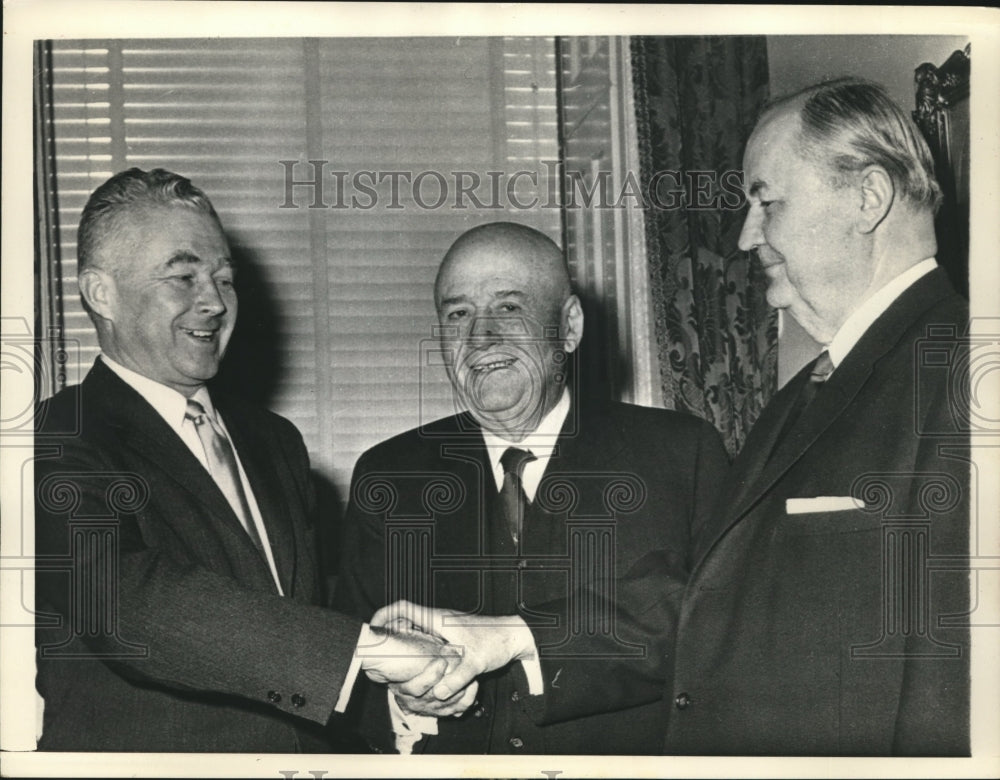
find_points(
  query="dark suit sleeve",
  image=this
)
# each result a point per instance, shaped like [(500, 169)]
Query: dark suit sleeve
[(631, 667), (200, 630)]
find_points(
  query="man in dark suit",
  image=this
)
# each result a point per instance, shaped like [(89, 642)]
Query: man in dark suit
[(180, 603), (827, 608), (440, 516)]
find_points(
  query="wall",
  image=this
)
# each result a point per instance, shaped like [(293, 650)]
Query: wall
[(796, 61)]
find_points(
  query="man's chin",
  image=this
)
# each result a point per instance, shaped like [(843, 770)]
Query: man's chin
[(201, 371), (504, 418)]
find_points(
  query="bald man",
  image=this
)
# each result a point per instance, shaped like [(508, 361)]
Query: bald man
[(531, 493)]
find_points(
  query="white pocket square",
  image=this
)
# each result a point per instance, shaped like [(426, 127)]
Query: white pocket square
[(802, 506)]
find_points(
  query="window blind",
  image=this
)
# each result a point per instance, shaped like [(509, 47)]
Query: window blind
[(337, 315)]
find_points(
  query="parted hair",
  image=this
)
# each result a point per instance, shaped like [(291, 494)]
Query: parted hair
[(850, 123), (131, 189)]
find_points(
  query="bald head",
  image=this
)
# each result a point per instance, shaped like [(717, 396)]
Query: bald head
[(509, 319), (508, 244)]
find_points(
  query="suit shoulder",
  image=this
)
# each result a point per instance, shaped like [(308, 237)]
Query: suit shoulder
[(61, 413), (953, 310), (259, 417), (647, 420), (416, 444)]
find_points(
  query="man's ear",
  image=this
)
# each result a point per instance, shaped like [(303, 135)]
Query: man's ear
[(877, 195), (99, 292), (572, 324)]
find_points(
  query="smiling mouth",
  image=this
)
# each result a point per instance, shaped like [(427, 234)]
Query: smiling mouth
[(205, 336), (494, 365)]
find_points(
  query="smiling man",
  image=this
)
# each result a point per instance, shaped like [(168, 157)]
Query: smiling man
[(180, 601), (532, 491)]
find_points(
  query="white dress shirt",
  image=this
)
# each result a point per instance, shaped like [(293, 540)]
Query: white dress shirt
[(864, 316)]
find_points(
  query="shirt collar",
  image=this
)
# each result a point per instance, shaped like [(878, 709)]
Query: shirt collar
[(861, 319), (168, 403), (539, 442)]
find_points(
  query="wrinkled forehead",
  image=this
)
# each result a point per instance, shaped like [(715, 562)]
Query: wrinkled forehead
[(499, 265), (154, 233)]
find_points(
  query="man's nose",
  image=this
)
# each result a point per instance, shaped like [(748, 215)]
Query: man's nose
[(484, 329), (751, 236), (210, 299)]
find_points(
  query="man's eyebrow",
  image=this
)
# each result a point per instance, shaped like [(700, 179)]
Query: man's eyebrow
[(509, 294), (453, 300), (183, 257), (190, 258)]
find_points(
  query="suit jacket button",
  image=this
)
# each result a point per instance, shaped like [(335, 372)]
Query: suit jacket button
[(515, 696), (522, 564), (682, 701), (298, 700), (274, 697), (516, 742), (479, 712)]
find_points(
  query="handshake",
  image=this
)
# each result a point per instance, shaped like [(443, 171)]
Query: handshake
[(430, 658)]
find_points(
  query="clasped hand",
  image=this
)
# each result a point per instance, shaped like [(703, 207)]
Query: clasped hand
[(430, 658)]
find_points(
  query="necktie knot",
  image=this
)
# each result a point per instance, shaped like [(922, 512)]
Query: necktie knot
[(195, 412), (514, 460), (822, 368)]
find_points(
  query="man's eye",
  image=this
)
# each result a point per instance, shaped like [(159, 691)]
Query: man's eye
[(185, 278), (509, 308), (766, 203), (456, 314), (224, 282)]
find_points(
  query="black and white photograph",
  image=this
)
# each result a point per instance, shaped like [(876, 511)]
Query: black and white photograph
[(515, 390)]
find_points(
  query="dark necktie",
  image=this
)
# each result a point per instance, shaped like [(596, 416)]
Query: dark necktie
[(820, 371), (512, 498), (222, 466)]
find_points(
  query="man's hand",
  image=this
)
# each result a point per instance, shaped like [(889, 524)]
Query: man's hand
[(429, 704), (416, 696), (485, 643), (412, 658)]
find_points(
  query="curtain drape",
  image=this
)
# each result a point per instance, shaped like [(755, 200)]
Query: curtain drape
[(697, 100)]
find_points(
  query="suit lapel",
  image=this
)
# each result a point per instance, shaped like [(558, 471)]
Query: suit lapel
[(754, 474), (587, 444), (463, 534), (256, 456), (586, 441), (140, 428)]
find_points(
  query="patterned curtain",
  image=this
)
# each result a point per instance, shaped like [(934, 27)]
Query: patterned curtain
[(697, 100)]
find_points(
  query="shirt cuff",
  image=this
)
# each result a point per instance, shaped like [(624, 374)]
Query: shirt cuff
[(529, 661), (364, 638), (409, 728)]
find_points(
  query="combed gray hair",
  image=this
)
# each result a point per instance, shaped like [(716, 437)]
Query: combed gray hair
[(850, 123), (127, 190)]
